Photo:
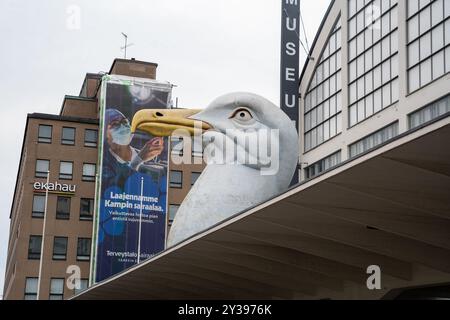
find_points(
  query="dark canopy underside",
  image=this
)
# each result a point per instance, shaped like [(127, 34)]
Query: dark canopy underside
[(390, 207)]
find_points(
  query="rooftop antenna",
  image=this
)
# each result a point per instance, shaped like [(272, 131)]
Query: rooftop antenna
[(126, 45)]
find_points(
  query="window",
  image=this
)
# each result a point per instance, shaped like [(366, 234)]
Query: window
[(34, 248), (63, 208), (38, 206), (194, 177), (42, 168), (176, 179), (90, 138), (31, 286), (373, 140), (86, 209), (56, 289), (60, 248), (428, 40), (323, 103), (88, 172), (45, 134), (66, 170), (84, 249), (82, 285), (197, 148), (430, 112), (177, 146), (323, 165), (373, 59), (68, 136), (173, 209)]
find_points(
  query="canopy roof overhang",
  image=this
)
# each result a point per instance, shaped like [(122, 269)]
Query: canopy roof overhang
[(389, 207)]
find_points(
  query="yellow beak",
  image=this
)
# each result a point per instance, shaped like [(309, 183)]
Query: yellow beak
[(163, 122)]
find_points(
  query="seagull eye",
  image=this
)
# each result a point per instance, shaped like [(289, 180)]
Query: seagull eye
[(242, 115)]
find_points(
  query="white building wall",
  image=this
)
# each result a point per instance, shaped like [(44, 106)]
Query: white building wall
[(399, 111)]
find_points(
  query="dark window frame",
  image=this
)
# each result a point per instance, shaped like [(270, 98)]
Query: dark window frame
[(87, 178), (85, 217), (34, 255), (77, 291), (64, 176), (195, 153), (37, 214), (88, 143), (59, 295), (44, 139), (320, 166), (30, 294), (81, 256), (192, 175), (63, 215), (394, 126), (176, 141), (41, 174), (176, 185), (172, 205), (434, 112), (419, 38), (68, 142), (60, 256)]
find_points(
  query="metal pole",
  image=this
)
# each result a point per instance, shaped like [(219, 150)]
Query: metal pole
[(140, 222), (43, 238), (126, 44), (94, 234)]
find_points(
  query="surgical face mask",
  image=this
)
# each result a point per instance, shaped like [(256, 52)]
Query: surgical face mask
[(121, 135)]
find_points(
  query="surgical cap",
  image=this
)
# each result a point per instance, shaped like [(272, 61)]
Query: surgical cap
[(113, 115)]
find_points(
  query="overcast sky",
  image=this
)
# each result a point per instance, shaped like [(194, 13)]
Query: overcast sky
[(205, 47)]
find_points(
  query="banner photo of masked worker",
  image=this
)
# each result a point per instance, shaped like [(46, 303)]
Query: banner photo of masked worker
[(131, 191)]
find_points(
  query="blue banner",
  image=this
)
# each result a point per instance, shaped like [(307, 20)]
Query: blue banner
[(132, 184)]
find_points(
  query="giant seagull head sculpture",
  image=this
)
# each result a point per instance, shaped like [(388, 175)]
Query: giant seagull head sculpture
[(251, 150)]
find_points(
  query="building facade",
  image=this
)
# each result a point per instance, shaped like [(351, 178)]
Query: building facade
[(377, 69), (65, 145), (373, 199)]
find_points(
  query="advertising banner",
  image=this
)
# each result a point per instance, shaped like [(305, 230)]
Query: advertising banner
[(131, 194)]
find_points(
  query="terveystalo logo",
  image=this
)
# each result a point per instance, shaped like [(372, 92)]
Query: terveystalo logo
[(54, 187)]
